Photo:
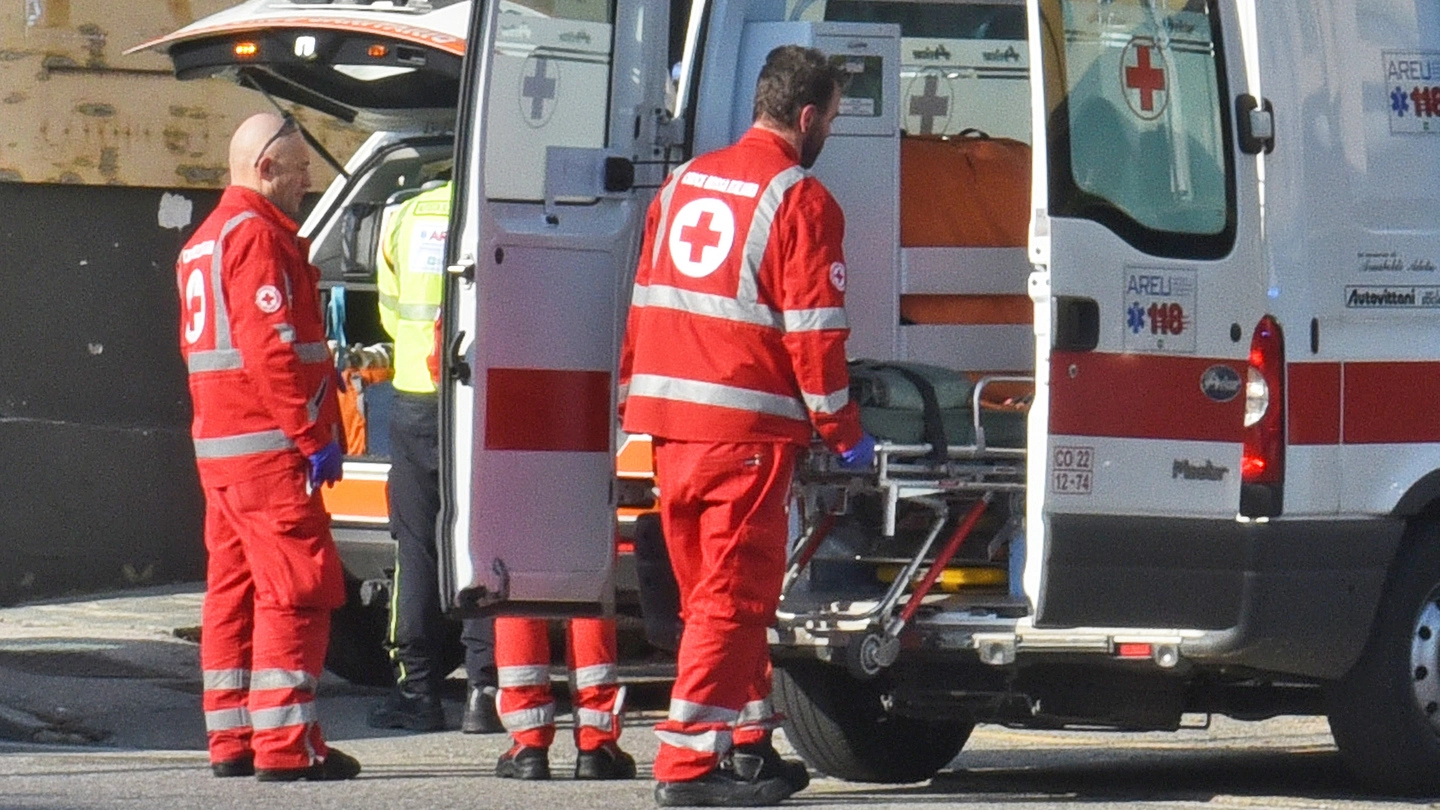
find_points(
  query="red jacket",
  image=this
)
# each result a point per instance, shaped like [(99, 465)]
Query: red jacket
[(737, 327), (253, 337)]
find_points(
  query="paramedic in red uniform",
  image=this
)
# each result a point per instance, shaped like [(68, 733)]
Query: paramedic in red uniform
[(734, 357), (527, 709), (265, 430)]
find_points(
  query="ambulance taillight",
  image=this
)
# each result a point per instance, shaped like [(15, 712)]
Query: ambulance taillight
[(1263, 465)]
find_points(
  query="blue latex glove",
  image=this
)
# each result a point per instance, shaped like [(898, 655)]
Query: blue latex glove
[(326, 465), (861, 456)]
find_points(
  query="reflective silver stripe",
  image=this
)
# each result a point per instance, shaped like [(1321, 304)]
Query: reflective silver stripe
[(814, 320), (827, 403), (523, 719), (757, 713), (225, 678), (227, 719), (388, 301), (622, 391), (217, 360), (594, 718), (724, 396), (318, 352), (683, 711), (418, 312), (597, 675), (759, 234), (282, 679), (286, 332), (217, 261), (312, 405), (698, 303), (530, 675), (242, 445), (710, 742), (667, 194), (296, 714)]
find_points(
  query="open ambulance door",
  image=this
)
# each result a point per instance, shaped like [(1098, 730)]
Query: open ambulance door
[(559, 103), (383, 67), (1149, 286)]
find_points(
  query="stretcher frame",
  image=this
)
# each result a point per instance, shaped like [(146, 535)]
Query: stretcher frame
[(869, 629)]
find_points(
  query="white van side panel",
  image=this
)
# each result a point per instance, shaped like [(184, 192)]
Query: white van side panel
[(1353, 233)]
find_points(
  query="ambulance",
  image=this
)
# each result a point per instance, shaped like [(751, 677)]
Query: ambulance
[(392, 69), (1173, 456)]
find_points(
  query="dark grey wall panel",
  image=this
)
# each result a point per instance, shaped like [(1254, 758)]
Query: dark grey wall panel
[(97, 478)]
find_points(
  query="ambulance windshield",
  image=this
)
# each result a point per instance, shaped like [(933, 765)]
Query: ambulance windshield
[(1135, 97)]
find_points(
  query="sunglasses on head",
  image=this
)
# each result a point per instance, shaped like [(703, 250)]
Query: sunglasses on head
[(288, 125)]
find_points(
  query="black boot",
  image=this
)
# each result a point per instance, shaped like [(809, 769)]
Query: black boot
[(523, 762), (402, 709), (244, 766), (605, 762), (333, 768), (721, 787), (761, 761), (481, 716)]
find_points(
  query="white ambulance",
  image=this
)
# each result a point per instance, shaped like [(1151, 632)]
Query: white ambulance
[(1223, 496), (393, 69)]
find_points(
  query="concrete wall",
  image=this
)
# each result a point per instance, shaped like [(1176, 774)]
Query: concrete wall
[(106, 165)]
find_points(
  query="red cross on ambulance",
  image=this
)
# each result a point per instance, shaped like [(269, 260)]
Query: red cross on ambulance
[(1143, 73), (700, 236)]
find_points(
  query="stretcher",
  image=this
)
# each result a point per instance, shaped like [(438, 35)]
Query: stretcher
[(923, 533)]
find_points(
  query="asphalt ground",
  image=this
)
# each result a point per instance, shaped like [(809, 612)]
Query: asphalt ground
[(100, 708)]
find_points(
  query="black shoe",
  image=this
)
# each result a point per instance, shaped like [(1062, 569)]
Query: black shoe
[(334, 767), (605, 762), (762, 761), (401, 709), (481, 716), (522, 762), (721, 788), (244, 766)]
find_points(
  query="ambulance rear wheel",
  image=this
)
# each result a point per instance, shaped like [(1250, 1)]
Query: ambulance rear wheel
[(1385, 714), (841, 726)]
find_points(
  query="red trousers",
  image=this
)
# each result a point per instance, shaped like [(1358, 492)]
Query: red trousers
[(522, 664), (272, 579), (723, 507)]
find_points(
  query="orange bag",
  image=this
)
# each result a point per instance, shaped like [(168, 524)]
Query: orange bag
[(352, 413), (968, 190)]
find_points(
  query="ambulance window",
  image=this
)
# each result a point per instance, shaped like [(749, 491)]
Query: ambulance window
[(1135, 93), (550, 87), (963, 66)]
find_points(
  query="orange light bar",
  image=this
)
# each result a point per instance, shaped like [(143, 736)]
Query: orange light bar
[(246, 49), (378, 51), (1132, 649)]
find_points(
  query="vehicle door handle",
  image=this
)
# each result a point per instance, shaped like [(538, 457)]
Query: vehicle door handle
[(1077, 323)]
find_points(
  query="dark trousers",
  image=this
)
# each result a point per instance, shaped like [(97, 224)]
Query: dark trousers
[(417, 623)]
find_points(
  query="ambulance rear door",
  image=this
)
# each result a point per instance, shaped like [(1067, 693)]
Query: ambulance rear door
[(381, 66), (1149, 285), (561, 100)]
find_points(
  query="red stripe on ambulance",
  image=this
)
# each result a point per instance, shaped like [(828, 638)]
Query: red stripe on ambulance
[(547, 409), (1141, 396)]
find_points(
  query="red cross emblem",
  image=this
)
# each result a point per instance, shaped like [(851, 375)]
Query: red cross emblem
[(700, 237), (267, 298), (1144, 81)]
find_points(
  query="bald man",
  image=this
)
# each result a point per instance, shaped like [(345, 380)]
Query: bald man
[(266, 432)]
